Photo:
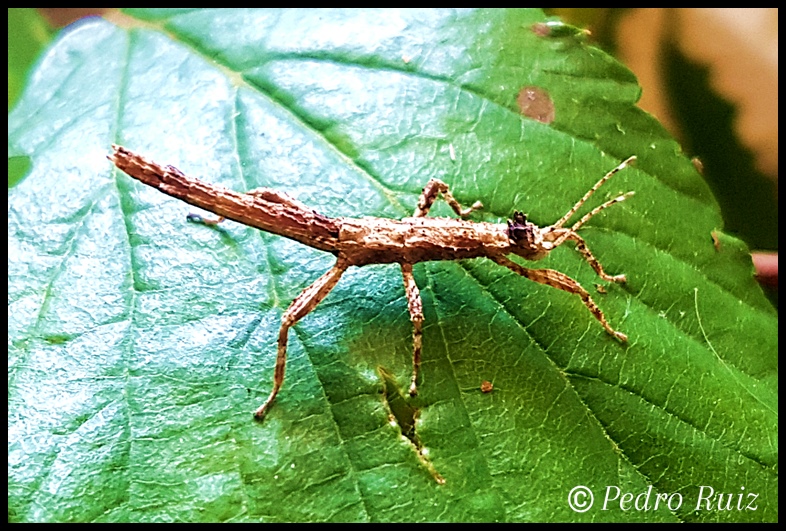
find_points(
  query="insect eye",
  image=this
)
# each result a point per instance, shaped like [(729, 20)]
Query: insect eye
[(519, 228)]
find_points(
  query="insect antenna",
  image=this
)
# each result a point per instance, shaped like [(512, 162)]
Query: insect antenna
[(594, 211), (607, 204)]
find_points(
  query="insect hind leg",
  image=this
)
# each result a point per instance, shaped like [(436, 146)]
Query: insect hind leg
[(430, 193), (300, 307), (415, 305)]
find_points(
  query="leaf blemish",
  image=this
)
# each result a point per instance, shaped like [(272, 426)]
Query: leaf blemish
[(541, 29), (716, 240), (405, 417), (558, 29), (535, 103)]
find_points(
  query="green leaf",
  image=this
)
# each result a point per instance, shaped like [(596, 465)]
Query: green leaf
[(28, 34), (139, 345)]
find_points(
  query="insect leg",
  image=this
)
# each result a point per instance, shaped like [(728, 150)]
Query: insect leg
[(581, 246), (300, 307), (415, 305), (558, 280), (430, 193)]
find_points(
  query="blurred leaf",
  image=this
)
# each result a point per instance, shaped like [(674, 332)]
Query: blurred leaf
[(747, 198), (28, 33), (139, 345), (17, 169)]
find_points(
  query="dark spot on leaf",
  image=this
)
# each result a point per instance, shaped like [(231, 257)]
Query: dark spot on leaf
[(405, 416), (535, 103)]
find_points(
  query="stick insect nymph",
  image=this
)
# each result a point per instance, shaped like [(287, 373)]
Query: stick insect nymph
[(368, 240)]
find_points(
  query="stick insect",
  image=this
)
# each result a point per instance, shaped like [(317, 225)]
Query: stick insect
[(363, 241)]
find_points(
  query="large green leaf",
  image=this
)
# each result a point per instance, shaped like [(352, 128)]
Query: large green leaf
[(139, 345)]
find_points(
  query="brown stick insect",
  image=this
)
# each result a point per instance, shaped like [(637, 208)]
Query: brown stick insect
[(368, 240)]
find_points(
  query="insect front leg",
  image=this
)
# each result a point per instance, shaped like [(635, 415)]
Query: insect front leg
[(430, 193), (300, 307), (415, 305), (581, 247), (558, 280)]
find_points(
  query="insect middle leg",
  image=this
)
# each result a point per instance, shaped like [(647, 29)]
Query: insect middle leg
[(558, 280), (415, 305), (430, 193), (300, 307)]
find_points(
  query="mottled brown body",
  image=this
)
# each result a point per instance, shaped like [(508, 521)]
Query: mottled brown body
[(368, 240), (412, 240), (263, 209)]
